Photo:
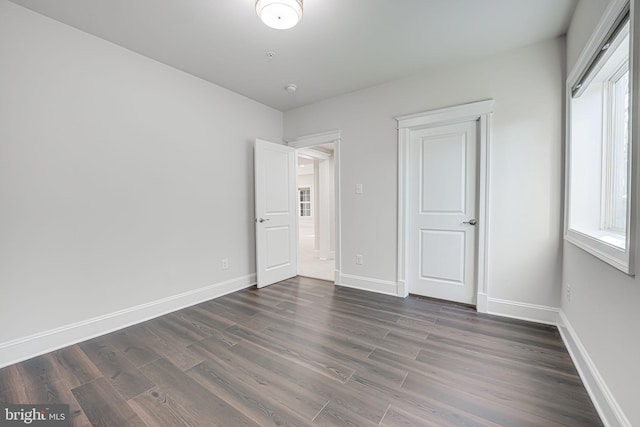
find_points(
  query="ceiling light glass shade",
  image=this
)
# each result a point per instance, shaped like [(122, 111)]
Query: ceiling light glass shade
[(279, 14)]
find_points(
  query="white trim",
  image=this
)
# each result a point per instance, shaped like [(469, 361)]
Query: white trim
[(455, 114), (20, 349), (315, 139), (319, 139), (402, 288), (523, 311), (480, 111), (602, 398), (368, 284), (482, 303), (484, 188), (599, 249), (403, 180)]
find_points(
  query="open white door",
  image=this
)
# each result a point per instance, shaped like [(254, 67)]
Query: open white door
[(276, 232)]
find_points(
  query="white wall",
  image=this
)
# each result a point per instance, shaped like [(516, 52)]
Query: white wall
[(122, 180), (527, 86), (603, 310), (306, 180)]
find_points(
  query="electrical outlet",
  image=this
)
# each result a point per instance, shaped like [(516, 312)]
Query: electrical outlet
[(568, 293), (225, 263), (359, 189), (359, 260)]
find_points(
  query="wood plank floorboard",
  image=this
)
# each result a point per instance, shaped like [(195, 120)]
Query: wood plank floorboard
[(35, 381), (116, 368), (303, 352), (266, 381), (103, 405), (398, 417), (75, 367)]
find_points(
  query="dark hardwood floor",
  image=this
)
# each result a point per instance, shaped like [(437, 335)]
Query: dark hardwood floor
[(303, 352)]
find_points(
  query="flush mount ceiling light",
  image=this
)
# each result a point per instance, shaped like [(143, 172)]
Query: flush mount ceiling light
[(279, 14)]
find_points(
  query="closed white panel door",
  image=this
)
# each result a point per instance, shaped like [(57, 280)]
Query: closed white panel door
[(442, 207), (276, 221)]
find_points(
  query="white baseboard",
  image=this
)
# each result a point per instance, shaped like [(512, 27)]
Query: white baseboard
[(606, 405), (523, 311), (17, 350), (368, 284)]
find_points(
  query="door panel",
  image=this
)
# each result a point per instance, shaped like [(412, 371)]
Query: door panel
[(276, 180), (276, 220), (443, 198), (443, 161), (277, 239), (441, 255)]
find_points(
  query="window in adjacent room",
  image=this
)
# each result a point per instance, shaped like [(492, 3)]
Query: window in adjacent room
[(305, 201), (599, 156)]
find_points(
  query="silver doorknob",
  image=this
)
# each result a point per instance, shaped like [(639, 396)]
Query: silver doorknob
[(471, 222), (261, 220)]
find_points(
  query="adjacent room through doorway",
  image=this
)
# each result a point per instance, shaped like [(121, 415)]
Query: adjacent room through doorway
[(316, 212)]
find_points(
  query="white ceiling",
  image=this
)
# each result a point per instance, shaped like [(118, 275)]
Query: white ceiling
[(339, 46)]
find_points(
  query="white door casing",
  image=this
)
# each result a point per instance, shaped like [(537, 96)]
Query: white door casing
[(442, 211), (479, 112), (276, 219)]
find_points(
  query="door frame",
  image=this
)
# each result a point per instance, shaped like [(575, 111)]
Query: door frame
[(311, 140), (476, 111)]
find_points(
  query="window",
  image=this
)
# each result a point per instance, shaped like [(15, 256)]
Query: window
[(305, 201), (599, 147)]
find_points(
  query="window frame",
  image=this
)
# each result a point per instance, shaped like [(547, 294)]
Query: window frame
[(622, 259), (301, 202), (609, 153)]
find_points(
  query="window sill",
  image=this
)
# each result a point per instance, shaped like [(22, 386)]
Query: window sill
[(614, 240), (603, 248)]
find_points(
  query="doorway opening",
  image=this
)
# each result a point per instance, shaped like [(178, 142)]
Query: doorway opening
[(316, 211)]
